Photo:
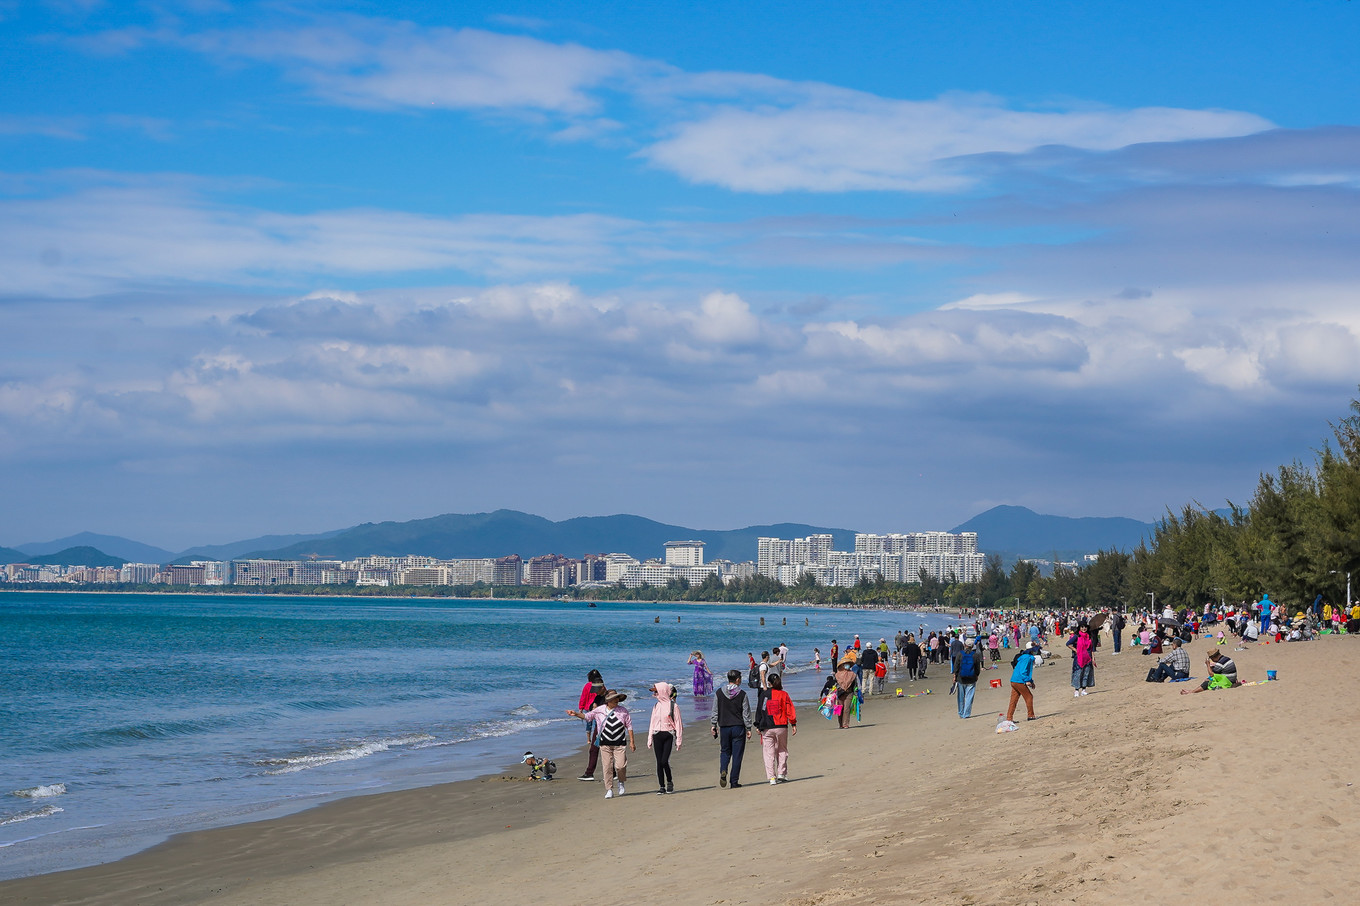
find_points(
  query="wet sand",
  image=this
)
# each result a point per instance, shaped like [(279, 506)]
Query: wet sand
[(1132, 793)]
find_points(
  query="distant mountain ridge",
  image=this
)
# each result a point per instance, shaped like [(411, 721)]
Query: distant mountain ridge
[(130, 551), (504, 532), (1019, 532), (1014, 532), (234, 549), (77, 556)]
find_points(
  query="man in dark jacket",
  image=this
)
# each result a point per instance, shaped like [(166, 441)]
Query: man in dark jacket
[(868, 660), (732, 722)]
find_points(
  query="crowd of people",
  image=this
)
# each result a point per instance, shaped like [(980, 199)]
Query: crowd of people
[(757, 704)]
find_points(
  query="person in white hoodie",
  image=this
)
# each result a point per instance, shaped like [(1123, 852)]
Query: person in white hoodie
[(666, 731)]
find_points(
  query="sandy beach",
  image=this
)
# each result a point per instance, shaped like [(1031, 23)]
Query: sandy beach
[(1133, 793)]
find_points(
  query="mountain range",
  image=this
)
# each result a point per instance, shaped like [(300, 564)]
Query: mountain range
[(1016, 532), (1011, 531)]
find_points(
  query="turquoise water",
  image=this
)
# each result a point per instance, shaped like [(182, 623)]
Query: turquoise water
[(128, 718)]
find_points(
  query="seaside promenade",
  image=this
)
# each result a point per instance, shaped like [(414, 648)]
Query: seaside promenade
[(1131, 794)]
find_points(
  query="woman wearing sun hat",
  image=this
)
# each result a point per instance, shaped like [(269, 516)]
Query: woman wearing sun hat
[(613, 728), (846, 689)]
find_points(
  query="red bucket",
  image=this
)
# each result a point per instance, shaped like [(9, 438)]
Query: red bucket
[(996, 684)]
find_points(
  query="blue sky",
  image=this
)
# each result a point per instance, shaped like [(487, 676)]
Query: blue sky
[(286, 267)]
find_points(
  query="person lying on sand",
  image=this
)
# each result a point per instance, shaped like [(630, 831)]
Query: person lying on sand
[(1221, 667)]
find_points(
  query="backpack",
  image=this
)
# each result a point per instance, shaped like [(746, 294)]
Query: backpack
[(753, 678), (967, 664)]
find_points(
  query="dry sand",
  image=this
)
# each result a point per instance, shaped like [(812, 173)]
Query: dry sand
[(1133, 794)]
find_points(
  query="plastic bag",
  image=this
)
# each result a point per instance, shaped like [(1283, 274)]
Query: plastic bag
[(1006, 726)]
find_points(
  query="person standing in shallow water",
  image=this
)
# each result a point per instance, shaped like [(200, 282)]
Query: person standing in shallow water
[(703, 677), (732, 727)]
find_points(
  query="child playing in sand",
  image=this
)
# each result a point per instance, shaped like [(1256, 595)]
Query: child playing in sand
[(539, 768)]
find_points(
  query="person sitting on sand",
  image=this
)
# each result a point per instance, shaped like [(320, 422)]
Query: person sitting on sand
[(1220, 665), (1175, 666)]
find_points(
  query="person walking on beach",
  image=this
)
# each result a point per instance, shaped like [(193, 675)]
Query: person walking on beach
[(732, 726), (1022, 681), (868, 661), (967, 668), (913, 655), (665, 731), (1083, 662), (846, 690), (592, 695), (782, 721), (613, 729)]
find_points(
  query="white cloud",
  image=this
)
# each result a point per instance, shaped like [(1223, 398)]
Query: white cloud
[(726, 319), (837, 141), (371, 62), (742, 131), (1235, 369), (163, 232)]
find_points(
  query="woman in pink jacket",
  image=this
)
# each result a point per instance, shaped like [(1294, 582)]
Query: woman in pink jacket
[(666, 731), (774, 740), (1083, 660)]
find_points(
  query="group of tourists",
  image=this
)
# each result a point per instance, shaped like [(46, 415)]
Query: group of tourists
[(609, 725), (757, 703)]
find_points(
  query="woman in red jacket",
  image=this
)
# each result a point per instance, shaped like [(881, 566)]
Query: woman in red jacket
[(778, 722)]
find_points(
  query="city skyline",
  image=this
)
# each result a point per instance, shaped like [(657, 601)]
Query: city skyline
[(289, 268)]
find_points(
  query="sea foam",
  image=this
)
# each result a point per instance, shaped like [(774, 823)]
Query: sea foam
[(46, 811), (41, 792), (293, 764)]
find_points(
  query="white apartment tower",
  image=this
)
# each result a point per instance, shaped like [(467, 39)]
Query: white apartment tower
[(684, 553)]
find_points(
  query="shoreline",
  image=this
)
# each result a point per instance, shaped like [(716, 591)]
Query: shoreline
[(953, 613), (1095, 802)]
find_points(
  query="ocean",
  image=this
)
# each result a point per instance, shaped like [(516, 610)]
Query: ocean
[(125, 719)]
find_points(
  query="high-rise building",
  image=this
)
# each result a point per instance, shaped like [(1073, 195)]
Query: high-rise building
[(895, 557), (684, 553)]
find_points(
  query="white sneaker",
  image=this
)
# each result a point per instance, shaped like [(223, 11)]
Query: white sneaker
[(1076, 692), (620, 789), (1083, 691), (773, 781), (609, 794)]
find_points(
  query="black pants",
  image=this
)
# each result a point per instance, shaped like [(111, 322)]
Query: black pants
[(1162, 672), (662, 743)]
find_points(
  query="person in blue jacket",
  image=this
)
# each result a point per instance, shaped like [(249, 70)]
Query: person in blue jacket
[(1022, 680)]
